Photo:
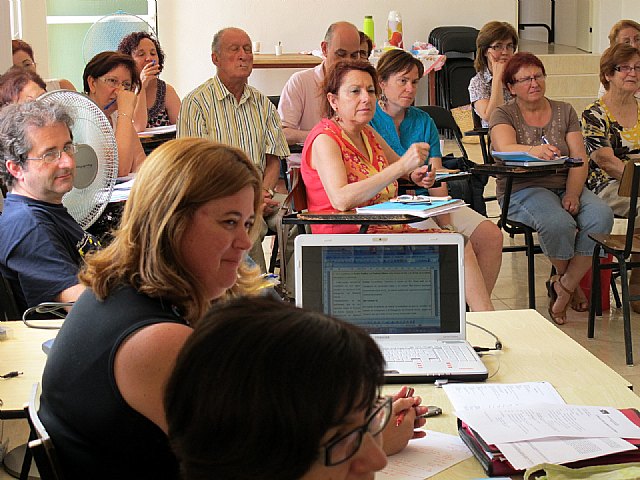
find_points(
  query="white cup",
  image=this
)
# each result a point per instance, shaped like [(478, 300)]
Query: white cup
[(278, 49), (441, 147), (256, 47)]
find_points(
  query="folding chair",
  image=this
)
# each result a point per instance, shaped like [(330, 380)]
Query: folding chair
[(621, 247)]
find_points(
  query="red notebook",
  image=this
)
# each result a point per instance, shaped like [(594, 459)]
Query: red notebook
[(496, 465)]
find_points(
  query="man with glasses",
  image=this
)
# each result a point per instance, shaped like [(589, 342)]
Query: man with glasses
[(41, 245), (300, 106)]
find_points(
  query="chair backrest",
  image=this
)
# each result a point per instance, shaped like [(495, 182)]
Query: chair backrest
[(298, 191), (630, 187), (41, 446), (275, 99), (445, 122), (8, 305)]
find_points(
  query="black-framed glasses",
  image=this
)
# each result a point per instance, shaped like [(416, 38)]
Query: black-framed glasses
[(499, 47), (342, 449), (54, 155), (538, 78), (115, 83), (627, 68)]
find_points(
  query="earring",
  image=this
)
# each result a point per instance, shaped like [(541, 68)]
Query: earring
[(336, 116), (383, 98)]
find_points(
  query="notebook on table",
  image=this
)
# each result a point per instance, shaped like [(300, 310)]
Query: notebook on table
[(406, 290)]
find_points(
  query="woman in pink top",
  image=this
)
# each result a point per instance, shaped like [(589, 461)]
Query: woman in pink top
[(346, 164)]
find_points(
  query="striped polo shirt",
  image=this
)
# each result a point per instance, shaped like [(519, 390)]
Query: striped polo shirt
[(251, 124)]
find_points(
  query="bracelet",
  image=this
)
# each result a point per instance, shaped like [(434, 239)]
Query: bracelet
[(125, 115), (530, 148), (411, 173)]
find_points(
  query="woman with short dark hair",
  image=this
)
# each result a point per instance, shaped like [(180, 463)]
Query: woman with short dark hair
[(267, 391)]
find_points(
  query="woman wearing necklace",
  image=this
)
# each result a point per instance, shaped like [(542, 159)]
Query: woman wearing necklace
[(611, 128), (400, 125), (346, 164), (557, 206)]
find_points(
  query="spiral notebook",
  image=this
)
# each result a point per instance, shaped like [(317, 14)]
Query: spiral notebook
[(406, 290)]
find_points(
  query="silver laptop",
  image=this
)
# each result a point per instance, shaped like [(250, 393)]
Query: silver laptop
[(406, 290)]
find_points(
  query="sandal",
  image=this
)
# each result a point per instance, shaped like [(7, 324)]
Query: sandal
[(579, 301), (559, 318)]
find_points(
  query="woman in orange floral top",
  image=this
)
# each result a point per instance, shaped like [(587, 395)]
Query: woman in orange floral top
[(346, 164)]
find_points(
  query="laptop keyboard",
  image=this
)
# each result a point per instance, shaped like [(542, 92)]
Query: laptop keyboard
[(445, 353)]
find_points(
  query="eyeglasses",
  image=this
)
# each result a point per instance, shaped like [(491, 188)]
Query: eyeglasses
[(627, 68), (54, 155), (342, 449), (538, 78), (115, 83), (28, 64), (509, 47)]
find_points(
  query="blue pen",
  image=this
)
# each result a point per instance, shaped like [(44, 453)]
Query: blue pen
[(110, 103)]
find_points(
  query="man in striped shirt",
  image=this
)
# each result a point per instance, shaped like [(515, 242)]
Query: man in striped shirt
[(226, 109)]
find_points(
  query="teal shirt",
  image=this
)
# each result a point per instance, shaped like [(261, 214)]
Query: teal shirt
[(417, 126)]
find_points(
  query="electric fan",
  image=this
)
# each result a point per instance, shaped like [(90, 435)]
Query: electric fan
[(106, 33), (96, 159)]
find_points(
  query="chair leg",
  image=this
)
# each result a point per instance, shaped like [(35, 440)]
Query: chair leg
[(274, 255), (614, 290), (626, 311), (531, 274), (594, 308)]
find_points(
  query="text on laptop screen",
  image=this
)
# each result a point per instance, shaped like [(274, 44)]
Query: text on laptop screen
[(385, 288)]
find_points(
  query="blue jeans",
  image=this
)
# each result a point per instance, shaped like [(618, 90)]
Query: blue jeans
[(560, 234)]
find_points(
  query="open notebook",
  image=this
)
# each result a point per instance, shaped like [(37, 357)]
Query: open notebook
[(406, 290)]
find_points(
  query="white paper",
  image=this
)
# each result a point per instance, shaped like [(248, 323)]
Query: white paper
[(529, 423), (424, 457), (151, 131), (470, 396), (523, 455)]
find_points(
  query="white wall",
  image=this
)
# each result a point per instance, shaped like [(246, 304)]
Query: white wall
[(608, 12), (5, 37), (186, 28)]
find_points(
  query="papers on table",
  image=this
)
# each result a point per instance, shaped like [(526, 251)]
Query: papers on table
[(418, 209), (150, 132), (531, 424), (121, 191), (526, 159), (424, 457)]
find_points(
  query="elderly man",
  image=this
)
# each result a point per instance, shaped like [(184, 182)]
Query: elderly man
[(300, 102), (227, 110), (41, 245)]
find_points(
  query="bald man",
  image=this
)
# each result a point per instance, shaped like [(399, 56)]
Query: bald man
[(300, 103)]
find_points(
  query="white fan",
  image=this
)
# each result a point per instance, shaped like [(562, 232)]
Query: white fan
[(106, 33), (96, 159)]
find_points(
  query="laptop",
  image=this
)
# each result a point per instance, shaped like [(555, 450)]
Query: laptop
[(406, 290)]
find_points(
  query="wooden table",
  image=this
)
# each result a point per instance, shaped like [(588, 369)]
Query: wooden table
[(286, 60), (533, 350), (21, 351)]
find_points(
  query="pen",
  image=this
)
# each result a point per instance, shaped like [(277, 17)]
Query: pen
[(546, 142), (110, 103), (401, 415)]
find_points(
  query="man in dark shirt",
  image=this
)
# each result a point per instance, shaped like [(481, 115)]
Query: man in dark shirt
[(41, 245)]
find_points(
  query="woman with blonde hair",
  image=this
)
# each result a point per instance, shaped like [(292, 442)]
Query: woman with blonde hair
[(180, 248)]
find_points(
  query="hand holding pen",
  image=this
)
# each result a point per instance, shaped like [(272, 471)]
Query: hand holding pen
[(551, 151), (408, 408)]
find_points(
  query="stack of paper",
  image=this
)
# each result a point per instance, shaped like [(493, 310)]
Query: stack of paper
[(422, 209), (529, 423), (525, 159)]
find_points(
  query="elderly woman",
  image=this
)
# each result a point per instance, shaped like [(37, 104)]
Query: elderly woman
[(216, 436), (180, 248), (401, 125), (627, 32), (110, 80), (347, 164), (496, 43), (19, 85), (158, 103), (23, 57), (558, 206), (611, 128)]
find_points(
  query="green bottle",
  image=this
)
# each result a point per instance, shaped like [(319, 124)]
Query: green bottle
[(367, 27)]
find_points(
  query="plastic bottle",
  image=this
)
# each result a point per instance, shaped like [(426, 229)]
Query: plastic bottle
[(394, 29), (367, 28)]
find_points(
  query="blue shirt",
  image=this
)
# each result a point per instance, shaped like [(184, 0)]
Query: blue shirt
[(417, 126)]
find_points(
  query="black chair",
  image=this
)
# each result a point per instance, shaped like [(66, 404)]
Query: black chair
[(446, 124), (40, 444), (621, 247)]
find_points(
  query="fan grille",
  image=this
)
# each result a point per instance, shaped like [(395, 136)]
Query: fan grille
[(92, 128), (106, 34)]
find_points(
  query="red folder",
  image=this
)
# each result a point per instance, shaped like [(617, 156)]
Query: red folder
[(496, 465)]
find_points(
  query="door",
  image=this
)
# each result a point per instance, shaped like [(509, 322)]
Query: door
[(584, 25)]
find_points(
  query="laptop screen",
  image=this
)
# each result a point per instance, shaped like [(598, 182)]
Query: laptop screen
[(385, 289)]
